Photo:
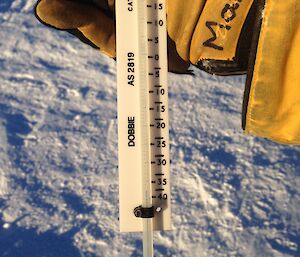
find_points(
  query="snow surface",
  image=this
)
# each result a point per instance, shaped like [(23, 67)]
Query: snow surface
[(233, 195)]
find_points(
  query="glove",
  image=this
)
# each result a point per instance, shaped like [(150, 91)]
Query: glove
[(222, 37), (195, 30), (258, 37)]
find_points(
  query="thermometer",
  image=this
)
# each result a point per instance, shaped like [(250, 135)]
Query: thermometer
[(143, 126)]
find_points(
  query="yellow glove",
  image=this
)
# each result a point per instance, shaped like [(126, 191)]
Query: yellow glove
[(224, 37), (261, 37)]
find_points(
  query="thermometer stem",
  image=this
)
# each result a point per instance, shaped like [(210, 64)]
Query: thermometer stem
[(145, 125)]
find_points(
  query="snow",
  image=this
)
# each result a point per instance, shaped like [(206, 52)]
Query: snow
[(232, 194)]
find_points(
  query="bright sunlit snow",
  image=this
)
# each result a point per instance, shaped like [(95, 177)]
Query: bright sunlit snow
[(232, 194)]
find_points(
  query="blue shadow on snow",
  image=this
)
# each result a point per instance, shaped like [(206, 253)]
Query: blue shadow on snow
[(16, 124), (219, 156), (21, 242), (5, 5)]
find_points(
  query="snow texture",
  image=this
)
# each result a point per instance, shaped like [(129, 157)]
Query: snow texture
[(232, 194)]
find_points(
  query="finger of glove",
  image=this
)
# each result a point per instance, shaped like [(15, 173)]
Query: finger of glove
[(182, 17), (65, 14), (91, 21)]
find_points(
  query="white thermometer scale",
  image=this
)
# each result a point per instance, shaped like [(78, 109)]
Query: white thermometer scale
[(143, 127)]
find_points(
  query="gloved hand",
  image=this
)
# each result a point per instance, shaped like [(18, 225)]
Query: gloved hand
[(224, 37), (204, 33)]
